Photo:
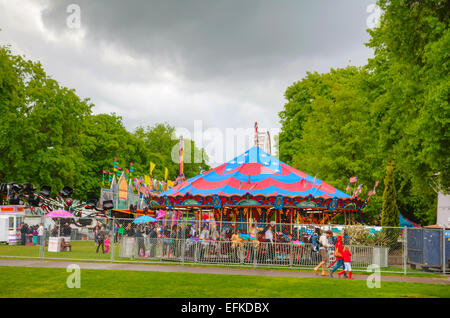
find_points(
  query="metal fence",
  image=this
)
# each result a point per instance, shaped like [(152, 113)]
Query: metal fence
[(209, 242)]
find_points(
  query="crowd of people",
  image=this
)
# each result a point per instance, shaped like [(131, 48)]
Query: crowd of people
[(172, 236), (342, 254), (150, 234), (31, 234)]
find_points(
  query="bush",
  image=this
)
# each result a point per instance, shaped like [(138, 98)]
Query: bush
[(363, 236)]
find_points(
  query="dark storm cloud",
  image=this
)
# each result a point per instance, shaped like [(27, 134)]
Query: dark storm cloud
[(221, 39), (225, 62)]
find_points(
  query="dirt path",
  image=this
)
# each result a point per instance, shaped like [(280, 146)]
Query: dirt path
[(208, 270)]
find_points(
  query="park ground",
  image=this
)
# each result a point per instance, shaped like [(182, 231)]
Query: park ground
[(95, 283), (101, 278)]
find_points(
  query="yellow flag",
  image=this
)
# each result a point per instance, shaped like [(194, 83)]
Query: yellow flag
[(152, 166), (166, 173), (147, 180), (170, 184)]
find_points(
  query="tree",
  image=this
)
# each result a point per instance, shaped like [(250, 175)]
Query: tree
[(352, 121), (48, 135), (411, 66), (390, 211)]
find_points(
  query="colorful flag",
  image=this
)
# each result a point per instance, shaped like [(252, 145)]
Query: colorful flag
[(166, 173), (348, 188), (181, 155), (376, 184), (353, 179), (314, 181), (147, 180), (152, 166)]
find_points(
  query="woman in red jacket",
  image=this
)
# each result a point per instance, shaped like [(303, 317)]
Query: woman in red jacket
[(339, 248)]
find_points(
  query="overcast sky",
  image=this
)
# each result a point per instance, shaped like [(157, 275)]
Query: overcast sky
[(224, 62)]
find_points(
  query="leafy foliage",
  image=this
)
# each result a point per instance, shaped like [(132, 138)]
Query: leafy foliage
[(390, 212), (351, 121), (48, 135), (363, 237)]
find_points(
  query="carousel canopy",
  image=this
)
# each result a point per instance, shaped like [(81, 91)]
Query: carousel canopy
[(255, 173)]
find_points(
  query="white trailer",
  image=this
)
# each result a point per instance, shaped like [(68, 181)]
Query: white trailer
[(11, 216)]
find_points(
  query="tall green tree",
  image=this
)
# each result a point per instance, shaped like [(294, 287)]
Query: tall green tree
[(351, 122), (411, 66), (390, 211)]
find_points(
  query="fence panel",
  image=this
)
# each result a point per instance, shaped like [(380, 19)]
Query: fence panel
[(230, 243)]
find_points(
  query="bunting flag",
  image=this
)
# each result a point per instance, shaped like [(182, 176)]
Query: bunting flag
[(152, 166), (147, 180), (353, 179), (373, 190), (357, 191), (181, 155), (137, 182), (131, 169)]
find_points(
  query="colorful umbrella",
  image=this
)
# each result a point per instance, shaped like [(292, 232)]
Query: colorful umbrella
[(60, 214), (161, 214), (144, 219)]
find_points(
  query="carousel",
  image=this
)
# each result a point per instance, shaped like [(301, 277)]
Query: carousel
[(257, 187)]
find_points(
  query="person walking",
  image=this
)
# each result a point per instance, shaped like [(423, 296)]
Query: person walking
[(116, 232), (129, 230), (101, 240), (315, 253), (140, 243), (339, 248), (153, 237), (120, 231), (40, 233), (24, 233), (323, 251), (347, 255), (268, 235)]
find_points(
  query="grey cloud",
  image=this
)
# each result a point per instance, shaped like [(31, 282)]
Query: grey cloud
[(211, 39), (226, 62)]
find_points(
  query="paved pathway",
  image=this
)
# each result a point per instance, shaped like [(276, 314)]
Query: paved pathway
[(207, 270)]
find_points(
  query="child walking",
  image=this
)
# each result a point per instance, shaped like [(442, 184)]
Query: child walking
[(347, 263), (107, 244)]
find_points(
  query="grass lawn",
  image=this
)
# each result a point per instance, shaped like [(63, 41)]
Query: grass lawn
[(86, 250), (51, 282)]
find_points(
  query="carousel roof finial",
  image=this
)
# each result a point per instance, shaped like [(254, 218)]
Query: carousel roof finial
[(256, 134)]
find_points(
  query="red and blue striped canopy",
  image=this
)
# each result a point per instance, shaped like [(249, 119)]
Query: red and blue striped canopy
[(257, 173)]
